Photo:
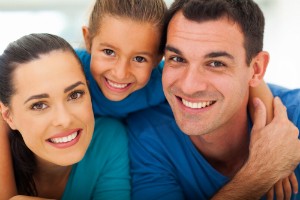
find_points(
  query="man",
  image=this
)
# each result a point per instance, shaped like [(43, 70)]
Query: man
[(202, 143)]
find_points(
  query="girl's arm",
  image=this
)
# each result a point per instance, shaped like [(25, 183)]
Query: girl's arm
[(284, 187), (21, 197), (264, 93), (7, 180)]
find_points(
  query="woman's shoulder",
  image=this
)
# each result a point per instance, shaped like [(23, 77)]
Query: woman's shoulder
[(109, 130)]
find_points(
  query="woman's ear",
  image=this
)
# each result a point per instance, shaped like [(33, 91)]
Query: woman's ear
[(6, 116), (87, 38), (259, 64)]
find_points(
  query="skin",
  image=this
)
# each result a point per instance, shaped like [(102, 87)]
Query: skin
[(60, 109), (206, 81), (121, 66), (270, 158), (6, 174), (205, 67), (101, 59), (283, 189)]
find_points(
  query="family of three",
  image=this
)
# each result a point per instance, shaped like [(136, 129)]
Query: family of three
[(113, 121)]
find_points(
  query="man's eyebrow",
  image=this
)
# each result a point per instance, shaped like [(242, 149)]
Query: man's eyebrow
[(44, 95), (173, 49), (71, 87), (219, 54)]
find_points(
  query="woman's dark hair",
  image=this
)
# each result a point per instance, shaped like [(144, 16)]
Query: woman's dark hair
[(24, 50)]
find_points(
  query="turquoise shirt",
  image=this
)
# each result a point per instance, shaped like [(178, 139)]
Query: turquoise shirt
[(103, 173)]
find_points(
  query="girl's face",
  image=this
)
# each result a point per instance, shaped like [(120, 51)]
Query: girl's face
[(52, 108), (123, 55)]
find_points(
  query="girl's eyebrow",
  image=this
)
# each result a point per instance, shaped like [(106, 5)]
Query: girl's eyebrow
[(45, 95)]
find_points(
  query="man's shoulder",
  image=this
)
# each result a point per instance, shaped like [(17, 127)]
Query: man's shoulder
[(291, 100), (288, 96)]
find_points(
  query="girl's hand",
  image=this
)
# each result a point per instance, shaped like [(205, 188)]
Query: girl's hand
[(283, 188)]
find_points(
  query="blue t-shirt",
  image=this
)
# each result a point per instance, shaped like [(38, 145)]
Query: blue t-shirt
[(150, 95), (166, 165), (103, 173)]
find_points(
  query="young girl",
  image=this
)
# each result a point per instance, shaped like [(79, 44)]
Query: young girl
[(123, 49), (54, 150)]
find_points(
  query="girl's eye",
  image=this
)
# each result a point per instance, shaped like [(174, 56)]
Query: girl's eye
[(109, 52), (76, 95), (139, 59), (216, 64), (39, 106)]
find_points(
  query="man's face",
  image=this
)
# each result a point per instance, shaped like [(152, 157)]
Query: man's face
[(206, 78)]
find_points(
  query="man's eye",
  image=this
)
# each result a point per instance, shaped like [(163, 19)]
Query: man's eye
[(139, 59), (177, 59), (216, 64), (109, 52), (39, 106), (76, 95)]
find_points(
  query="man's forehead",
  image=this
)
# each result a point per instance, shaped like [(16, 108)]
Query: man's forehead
[(221, 30)]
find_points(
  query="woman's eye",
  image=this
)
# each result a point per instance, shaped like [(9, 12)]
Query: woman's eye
[(109, 52), (76, 95), (216, 64), (139, 59), (39, 106)]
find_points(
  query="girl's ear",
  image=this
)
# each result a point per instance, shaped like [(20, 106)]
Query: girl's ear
[(87, 38), (6, 116), (259, 64)]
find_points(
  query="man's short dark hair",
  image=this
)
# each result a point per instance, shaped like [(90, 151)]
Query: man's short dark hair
[(246, 13)]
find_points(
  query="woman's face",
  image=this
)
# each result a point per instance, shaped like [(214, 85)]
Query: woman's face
[(52, 108)]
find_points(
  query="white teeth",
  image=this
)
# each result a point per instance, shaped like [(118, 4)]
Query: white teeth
[(117, 85), (196, 105), (64, 139)]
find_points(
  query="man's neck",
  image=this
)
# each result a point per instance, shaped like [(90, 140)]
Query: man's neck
[(227, 148)]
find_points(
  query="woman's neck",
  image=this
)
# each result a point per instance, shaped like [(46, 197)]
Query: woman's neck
[(49, 175)]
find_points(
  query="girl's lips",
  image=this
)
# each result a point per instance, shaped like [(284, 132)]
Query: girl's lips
[(117, 87)]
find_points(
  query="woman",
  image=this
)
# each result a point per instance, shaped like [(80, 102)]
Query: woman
[(45, 100)]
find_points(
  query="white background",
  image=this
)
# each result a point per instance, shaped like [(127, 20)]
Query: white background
[(65, 18)]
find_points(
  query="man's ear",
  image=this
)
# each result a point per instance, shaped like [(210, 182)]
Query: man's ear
[(87, 38), (259, 65), (6, 116)]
